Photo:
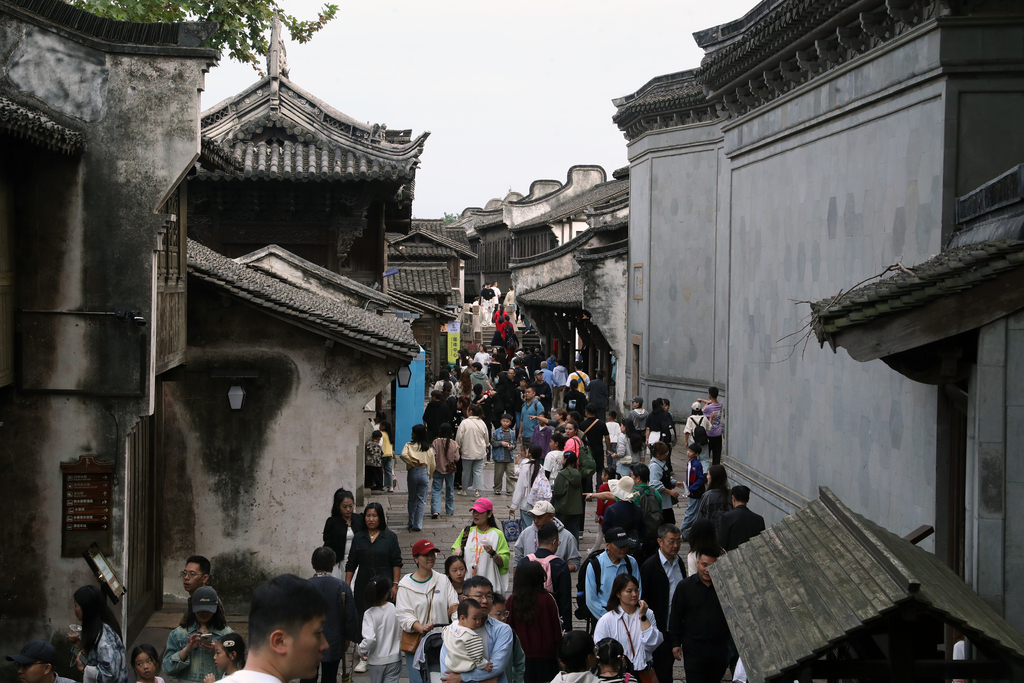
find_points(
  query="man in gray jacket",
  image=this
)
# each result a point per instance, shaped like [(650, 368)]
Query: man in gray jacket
[(544, 512)]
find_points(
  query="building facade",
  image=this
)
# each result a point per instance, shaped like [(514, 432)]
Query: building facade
[(817, 145)]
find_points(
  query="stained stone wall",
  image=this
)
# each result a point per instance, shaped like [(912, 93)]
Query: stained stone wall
[(734, 223)]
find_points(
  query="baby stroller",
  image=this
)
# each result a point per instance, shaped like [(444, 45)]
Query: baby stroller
[(432, 652)]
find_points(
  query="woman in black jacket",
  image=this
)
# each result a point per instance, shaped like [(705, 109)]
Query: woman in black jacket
[(341, 527), (375, 552)]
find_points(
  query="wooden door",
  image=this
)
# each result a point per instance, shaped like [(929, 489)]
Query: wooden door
[(6, 283), (143, 572)]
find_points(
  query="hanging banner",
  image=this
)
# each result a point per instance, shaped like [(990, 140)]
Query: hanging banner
[(453, 341)]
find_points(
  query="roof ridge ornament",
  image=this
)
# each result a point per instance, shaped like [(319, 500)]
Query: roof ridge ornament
[(277, 62)]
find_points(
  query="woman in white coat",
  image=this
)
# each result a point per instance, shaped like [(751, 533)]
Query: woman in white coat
[(425, 600), (630, 622)]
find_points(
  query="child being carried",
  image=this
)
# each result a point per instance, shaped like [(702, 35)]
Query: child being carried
[(465, 646)]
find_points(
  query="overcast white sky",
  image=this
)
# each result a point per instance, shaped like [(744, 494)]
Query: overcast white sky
[(510, 93)]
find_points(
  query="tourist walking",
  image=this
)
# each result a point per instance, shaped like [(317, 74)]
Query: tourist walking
[(473, 439), (446, 458), (636, 430), (661, 574), (529, 540), (702, 537), (713, 411), (629, 620), (419, 458), (741, 524), (375, 552), (523, 498), (718, 499), (698, 630), (387, 444), (101, 654), (425, 601), (695, 487), (189, 652), (436, 413), (533, 615), (483, 546), (567, 495), (379, 648), (341, 625), (503, 443), (341, 527), (455, 570), (373, 462), (527, 423)]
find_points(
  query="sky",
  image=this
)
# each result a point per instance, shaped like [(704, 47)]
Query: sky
[(509, 94)]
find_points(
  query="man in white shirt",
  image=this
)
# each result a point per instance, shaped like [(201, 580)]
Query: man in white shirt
[(660, 575), (286, 632)]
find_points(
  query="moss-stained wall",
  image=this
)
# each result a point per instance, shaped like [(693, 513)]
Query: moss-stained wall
[(251, 488)]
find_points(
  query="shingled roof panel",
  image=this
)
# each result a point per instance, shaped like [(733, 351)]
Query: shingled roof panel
[(421, 278), (567, 293), (954, 270), (330, 316)]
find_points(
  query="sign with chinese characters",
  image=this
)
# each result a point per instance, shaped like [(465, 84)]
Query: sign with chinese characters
[(638, 281), (454, 337), (86, 517)]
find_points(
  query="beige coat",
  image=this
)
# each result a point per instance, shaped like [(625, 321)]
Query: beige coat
[(473, 438)]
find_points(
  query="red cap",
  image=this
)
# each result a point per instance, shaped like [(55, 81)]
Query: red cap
[(422, 547)]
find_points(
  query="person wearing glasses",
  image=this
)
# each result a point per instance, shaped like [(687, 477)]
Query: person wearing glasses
[(498, 636), (35, 663), (195, 574)]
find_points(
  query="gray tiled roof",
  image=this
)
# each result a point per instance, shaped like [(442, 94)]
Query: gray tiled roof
[(421, 278), (330, 317), (397, 253), (23, 122), (440, 235), (952, 271), (599, 194), (825, 575), (311, 269), (661, 94), (567, 293)]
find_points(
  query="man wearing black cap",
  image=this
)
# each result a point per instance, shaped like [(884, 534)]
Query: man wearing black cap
[(602, 568), (35, 663)]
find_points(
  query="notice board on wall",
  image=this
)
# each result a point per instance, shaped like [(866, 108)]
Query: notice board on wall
[(86, 519)]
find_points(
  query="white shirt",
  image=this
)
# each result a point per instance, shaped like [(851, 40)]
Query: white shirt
[(381, 635), (483, 358), (244, 676), (674, 571), (638, 644), (553, 463)]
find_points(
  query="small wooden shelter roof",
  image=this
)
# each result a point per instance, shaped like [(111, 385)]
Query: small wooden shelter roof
[(825, 573)]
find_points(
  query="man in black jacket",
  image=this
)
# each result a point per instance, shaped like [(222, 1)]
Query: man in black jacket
[(697, 627), (341, 626), (740, 524), (436, 414), (660, 575)]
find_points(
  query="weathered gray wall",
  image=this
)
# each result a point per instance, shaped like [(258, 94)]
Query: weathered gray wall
[(995, 469), (85, 235), (604, 297), (252, 487)]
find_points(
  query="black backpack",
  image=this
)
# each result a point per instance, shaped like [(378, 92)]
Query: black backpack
[(582, 611), (700, 435)]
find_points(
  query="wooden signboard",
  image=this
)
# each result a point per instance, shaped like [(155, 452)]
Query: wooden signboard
[(88, 500)]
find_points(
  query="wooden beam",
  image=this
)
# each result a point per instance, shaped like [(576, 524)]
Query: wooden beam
[(938, 319), (920, 533)]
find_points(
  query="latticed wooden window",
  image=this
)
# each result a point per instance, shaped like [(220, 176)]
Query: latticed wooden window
[(6, 284), (169, 258)]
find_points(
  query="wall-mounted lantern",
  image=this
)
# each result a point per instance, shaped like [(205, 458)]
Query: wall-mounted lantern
[(404, 375), (236, 395)]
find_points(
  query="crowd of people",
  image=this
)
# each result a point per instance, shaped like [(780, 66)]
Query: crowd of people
[(505, 607)]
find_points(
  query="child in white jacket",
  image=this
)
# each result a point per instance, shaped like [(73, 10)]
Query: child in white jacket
[(464, 645), (381, 635)]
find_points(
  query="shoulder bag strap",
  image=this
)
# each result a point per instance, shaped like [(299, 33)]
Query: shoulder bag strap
[(621, 619), (591, 426)]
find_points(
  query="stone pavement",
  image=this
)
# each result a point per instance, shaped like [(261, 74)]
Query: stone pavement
[(441, 532)]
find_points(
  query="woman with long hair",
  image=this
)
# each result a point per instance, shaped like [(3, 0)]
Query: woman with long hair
[(702, 535), (466, 383), (533, 615), (718, 499), (418, 456), (375, 552), (102, 651), (446, 459), (483, 546), (387, 444), (630, 621), (341, 527), (189, 655), (455, 570), (528, 471)]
